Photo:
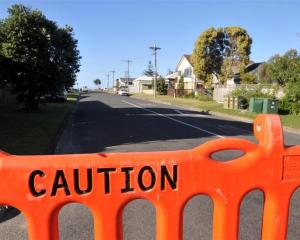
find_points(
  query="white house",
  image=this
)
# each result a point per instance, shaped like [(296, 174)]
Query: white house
[(124, 81), (185, 68), (142, 84)]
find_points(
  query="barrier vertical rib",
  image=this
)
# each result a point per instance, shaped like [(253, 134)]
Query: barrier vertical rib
[(169, 221), (108, 224), (275, 217), (226, 218)]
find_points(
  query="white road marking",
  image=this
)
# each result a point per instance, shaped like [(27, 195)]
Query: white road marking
[(175, 120), (178, 111)]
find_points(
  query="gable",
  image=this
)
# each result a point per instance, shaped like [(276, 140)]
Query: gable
[(184, 62)]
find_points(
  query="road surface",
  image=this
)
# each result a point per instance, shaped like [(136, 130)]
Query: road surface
[(110, 123)]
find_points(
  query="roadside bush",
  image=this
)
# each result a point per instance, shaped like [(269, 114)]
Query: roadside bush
[(189, 95), (291, 102), (289, 107), (200, 96), (203, 97), (162, 88)]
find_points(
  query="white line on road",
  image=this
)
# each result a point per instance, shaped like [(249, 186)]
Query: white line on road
[(178, 111), (173, 119)]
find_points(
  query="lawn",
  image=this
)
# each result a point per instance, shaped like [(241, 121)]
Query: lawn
[(32, 132), (211, 106)]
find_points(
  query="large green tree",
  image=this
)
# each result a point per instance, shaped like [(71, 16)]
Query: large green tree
[(283, 69), (218, 51), (44, 57)]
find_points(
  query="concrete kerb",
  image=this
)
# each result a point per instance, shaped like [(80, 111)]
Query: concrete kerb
[(65, 121), (218, 114)]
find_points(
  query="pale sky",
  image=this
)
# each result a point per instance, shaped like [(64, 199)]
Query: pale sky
[(112, 31)]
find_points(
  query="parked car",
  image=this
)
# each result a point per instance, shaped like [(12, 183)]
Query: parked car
[(123, 91)]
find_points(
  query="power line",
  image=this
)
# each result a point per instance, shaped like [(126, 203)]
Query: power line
[(155, 48)]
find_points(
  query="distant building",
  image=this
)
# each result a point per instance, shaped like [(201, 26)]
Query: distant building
[(124, 81), (235, 78), (143, 83), (185, 69)]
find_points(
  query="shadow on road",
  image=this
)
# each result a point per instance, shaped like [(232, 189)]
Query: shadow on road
[(96, 125), (9, 213)]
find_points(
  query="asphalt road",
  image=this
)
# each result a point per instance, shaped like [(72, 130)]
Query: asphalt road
[(109, 123)]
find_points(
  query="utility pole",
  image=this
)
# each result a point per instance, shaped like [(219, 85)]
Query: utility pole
[(113, 72), (128, 62), (155, 48), (107, 81)]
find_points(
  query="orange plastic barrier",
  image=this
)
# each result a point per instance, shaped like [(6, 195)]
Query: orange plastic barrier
[(40, 185)]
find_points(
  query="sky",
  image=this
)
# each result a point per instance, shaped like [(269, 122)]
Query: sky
[(109, 32)]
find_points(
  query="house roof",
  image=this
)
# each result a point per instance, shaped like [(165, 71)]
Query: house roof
[(173, 75), (188, 57), (124, 79), (143, 78), (253, 66)]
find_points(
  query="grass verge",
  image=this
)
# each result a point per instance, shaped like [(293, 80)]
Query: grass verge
[(211, 106), (32, 132)]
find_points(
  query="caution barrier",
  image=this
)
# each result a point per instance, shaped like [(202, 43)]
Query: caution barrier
[(40, 186)]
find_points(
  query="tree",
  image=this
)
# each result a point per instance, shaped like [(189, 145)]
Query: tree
[(97, 82), (181, 83), (216, 51), (161, 86), (283, 69), (44, 57), (149, 72), (247, 78)]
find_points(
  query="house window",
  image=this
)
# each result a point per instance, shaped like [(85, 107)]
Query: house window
[(188, 72)]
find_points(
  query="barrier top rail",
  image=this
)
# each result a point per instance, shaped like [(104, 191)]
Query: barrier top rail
[(40, 186)]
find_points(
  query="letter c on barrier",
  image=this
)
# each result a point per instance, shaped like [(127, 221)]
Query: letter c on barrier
[(32, 188)]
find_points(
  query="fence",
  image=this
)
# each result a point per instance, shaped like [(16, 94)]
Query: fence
[(220, 91), (41, 185)]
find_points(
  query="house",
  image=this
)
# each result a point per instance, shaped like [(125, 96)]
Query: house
[(251, 68), (185, 69), (171, 79), (234, 81), (142, 84), (124, 81)]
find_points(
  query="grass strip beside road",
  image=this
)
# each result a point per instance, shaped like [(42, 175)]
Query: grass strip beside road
[(32, 132), (214, 107)]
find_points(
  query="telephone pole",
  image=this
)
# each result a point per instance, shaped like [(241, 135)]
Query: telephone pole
[(113, 76), (128, 62), (155, 48), (107, 81)]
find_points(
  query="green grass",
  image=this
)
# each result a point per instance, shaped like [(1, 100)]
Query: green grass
[(32, 132), (211, 106)]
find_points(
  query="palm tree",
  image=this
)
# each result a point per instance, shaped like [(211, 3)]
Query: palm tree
[(97, 82)]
